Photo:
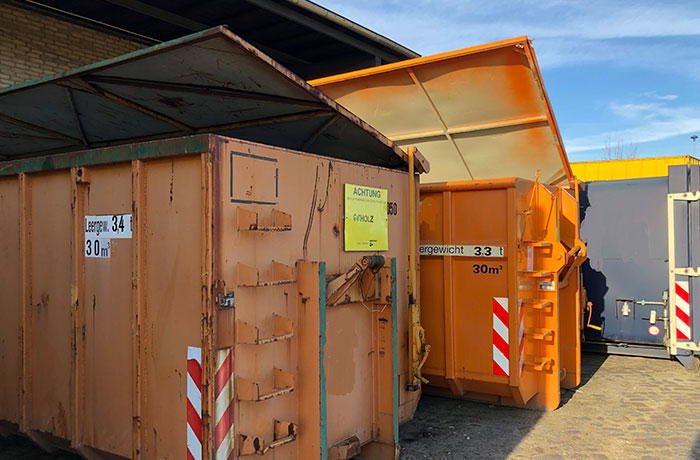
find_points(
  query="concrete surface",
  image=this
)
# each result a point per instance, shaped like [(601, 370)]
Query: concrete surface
[(626, 408)]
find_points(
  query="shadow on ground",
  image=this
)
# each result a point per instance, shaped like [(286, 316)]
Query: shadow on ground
[(18, 447), (590, 364), (446, 428)]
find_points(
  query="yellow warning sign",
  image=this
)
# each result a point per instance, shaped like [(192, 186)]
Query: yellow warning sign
[(366, 219)]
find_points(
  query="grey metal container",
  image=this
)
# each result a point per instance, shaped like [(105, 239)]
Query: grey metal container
[(623, 224), (637, 300)]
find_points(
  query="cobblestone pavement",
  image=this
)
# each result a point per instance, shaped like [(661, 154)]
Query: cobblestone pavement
[(626, 408)]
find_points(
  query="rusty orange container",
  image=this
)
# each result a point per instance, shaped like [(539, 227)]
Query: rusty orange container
[(493, 266), (193, 298)]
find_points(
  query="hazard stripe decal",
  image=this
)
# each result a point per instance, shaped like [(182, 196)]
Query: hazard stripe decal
[(500, 336), (223, 405), (521, 336), (682, 311), (194, 403)]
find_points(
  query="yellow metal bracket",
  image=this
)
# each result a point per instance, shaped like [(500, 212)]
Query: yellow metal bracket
[(418, 350)]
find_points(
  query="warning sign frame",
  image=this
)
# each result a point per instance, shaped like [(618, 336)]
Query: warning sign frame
[(366, 219)]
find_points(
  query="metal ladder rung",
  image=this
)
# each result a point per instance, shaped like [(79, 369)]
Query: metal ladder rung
[(285, 432), (247, 390), (537, 304), (539, 364), (538, 244), (539, 333), (283, 328), (538, 274)]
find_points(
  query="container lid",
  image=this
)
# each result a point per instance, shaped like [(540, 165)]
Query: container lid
[(475, 113), (208, 82)]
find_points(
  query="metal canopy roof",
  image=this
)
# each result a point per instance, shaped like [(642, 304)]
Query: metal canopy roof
[(476, 113), (307, 38), (208, 82)]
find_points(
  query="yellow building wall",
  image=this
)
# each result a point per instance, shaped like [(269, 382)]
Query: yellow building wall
[(636, 168)]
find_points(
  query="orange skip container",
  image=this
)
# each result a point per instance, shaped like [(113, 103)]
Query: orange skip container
[(500, 290)]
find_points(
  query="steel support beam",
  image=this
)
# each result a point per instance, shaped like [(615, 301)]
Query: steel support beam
[(160, 14), (192, 25), (318, 132), (268, 120), (28, 137), (55, 135), (76, 117), (205, 90), (91, 88), (445, 130), (515, 122), (318, 26)]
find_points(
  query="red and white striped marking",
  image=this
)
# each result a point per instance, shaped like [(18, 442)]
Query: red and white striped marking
[(682, 311), (521, 335), (194, 403), (500, 336), (223, 407)]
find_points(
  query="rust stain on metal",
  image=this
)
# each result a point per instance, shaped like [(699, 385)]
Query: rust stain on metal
[(311, 217), (174, 102)]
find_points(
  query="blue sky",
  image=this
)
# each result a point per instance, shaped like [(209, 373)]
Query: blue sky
[(623, 72)]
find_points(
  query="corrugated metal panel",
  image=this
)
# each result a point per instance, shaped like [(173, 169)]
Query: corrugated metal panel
[(476, 113), (637, 168), (207, 82)]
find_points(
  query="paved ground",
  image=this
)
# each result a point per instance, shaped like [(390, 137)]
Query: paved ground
[(626, 408)]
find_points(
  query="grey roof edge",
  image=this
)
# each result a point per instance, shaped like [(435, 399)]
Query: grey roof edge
[(351, 25)]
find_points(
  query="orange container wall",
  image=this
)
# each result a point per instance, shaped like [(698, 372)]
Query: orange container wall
[(491, 260), (571, 287), (232, 248), (10, 282)]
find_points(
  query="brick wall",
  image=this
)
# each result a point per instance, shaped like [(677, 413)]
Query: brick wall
[(33, 45)]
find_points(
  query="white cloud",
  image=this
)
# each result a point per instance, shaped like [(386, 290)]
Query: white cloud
[(635, 111), (660, 97), (566, 32), (650, 122)]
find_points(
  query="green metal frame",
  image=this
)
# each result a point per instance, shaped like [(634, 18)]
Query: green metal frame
[(395, 350), (187, 145), (322, 371), (116, 60)]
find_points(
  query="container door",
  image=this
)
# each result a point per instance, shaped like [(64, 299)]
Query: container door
[(623, 224), (684, 258)]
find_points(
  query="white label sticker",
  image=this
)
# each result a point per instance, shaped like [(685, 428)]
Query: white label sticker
[(100, 230), (461, 250), (108, 226), (547, 285), (530, 258), (98, 247)]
